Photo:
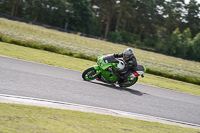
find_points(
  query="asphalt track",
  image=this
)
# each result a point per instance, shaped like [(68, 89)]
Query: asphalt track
[(29, 79)]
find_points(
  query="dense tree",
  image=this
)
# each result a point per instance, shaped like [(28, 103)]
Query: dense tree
[(11, 7), (192, 17), (173, 12), (125, 11), (106, 10), (82, 16), (169, 26), (196, 47), (185, 42)]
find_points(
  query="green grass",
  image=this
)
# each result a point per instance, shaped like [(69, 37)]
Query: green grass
[(31, 119), (44, 57), (87, 48), (64, 61)]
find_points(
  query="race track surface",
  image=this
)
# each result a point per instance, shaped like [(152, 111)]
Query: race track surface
[(29, 79)]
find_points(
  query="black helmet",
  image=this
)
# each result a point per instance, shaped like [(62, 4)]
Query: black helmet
[(128, 54)]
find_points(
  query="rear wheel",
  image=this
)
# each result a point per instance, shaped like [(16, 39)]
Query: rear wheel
[(89, 74), (131, 80)]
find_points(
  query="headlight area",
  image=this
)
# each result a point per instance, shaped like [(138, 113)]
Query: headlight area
[(99, 62)]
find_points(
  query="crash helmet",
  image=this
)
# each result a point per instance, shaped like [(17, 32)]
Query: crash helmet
[(128, 54)]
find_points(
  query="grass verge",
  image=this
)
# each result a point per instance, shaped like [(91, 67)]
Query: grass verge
[(86, 48), (22, 119), (50, 58)]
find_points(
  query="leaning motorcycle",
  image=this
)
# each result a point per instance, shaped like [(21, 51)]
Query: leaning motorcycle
[(104, 71)]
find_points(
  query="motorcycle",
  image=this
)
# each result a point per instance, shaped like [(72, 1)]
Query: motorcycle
[(104, 71)]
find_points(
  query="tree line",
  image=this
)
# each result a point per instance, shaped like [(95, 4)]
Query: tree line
[(168, 26)]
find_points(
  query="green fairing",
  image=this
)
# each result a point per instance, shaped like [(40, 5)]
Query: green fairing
[(144, 69), (105, 65), (96, 67), (110, 77)]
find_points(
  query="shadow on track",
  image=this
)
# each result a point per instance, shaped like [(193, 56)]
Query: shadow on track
[(135, 92)]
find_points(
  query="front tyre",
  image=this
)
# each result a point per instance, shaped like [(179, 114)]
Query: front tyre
[(89, 74)]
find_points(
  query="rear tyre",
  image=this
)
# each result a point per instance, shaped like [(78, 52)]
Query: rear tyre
[(89, 74), (132, 82)]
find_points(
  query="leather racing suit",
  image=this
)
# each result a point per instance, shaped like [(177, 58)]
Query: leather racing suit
[(130, 67)]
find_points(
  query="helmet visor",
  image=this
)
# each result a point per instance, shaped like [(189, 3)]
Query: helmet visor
[(126, 56)]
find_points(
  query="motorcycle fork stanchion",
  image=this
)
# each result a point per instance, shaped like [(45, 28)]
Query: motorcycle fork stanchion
[(99, 77)]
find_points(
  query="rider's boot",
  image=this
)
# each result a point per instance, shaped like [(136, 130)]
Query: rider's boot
[(125, 81)]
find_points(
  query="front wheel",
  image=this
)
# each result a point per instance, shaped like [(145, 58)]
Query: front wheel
[(89, 74)]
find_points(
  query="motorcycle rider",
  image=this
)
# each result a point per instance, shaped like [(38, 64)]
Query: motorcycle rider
[(130, 65)]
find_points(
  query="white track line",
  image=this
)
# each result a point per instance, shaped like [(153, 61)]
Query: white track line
[(4, 98)]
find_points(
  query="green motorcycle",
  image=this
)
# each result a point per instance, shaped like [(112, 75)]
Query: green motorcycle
[(104, 71)]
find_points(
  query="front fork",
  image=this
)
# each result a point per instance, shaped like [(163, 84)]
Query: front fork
[(98, 71)]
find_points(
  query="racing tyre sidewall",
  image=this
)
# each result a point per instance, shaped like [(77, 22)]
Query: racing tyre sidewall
[(86, 75)]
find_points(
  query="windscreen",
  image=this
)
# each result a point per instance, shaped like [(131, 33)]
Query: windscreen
[(110, 59)]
